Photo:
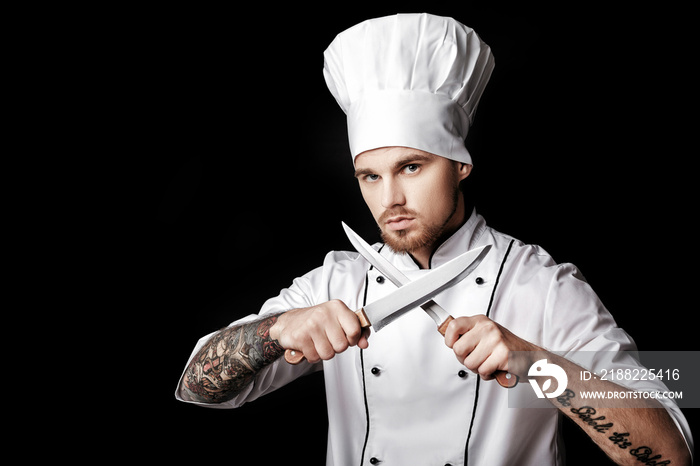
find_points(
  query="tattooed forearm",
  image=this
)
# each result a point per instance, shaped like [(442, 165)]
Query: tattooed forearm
[(591, 418), (230, 360)]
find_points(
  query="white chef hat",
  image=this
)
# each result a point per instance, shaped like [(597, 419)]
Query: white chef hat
[(410, 80)]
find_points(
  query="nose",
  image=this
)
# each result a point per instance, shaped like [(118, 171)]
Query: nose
[(392, 194)]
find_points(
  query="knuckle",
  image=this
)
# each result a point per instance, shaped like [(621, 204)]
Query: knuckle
[(299, 336), (310, 353), (490, 326), (326, 354), (453, 325), (320, 312), (337, 304), (340, 345), (470, 364), (501, 352), (313, 324), (354, 333), (484, 371)]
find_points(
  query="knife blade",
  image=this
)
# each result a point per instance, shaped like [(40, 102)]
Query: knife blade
[(434, 310), (383, 311), (439, 315)]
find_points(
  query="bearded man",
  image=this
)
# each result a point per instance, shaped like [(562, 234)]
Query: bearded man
[(410, 85)]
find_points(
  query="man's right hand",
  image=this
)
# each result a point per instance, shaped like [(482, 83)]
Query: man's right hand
[(320, 332)]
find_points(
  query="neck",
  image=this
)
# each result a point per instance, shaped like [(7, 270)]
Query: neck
[(422, 256)]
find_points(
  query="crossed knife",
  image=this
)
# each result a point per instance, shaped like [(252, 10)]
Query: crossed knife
[(412, 294)]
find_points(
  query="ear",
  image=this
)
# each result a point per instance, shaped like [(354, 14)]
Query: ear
[(463, 170)]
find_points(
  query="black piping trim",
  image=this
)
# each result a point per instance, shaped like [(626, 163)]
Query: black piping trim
[(478, 379), (362, 367), (471, 423), (498, 277)]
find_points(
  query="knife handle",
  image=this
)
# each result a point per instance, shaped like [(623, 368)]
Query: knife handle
[(504, 379), (296, 356), (442, 328), (293, 356)]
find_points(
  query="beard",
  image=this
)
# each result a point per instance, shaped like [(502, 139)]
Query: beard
[(403, 241), (424, 235)]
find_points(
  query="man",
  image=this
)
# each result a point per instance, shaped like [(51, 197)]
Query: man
[(410, 85)]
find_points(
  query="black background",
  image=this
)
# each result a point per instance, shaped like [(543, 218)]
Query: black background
[(232, 175)]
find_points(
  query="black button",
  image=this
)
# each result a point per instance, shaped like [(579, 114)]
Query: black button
[(479, 280), (376, 370), (373, 460), (462, 374), (380, 279)]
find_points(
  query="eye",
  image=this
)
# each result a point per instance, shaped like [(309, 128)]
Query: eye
[(371, 178), (411, 168)]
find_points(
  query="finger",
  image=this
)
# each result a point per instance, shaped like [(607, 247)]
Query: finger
[(310, 353), (488, 368), (335, 332), (496, 361), (337, 338), (312, 333), (324, 348), (464, 348), (364, 339), (476, 358), (319, 343), (457, 328), (351, 326)]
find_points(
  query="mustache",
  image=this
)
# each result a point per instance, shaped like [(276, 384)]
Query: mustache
[(396, 212)]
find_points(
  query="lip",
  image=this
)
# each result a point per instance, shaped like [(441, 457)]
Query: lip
[(399, 223)]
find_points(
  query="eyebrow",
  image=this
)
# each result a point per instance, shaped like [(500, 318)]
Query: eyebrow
[(407, 160), (362, 172)]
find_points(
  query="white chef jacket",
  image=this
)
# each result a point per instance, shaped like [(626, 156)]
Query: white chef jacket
[(406, 399)]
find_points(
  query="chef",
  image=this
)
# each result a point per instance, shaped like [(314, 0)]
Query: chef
[(406, 395)]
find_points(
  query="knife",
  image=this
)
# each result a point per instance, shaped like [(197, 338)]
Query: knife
[(440, 316), (385, 310)]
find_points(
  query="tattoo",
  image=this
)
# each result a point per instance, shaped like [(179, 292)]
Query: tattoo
[(586, 413), (620, 439), (564, 398), (229, 361), (643, 455)]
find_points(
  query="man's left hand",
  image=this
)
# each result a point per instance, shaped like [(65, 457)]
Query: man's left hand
[(484, 346)]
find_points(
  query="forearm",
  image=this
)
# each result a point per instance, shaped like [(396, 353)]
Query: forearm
[(633, 431), (639, 432), (229, 362)]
